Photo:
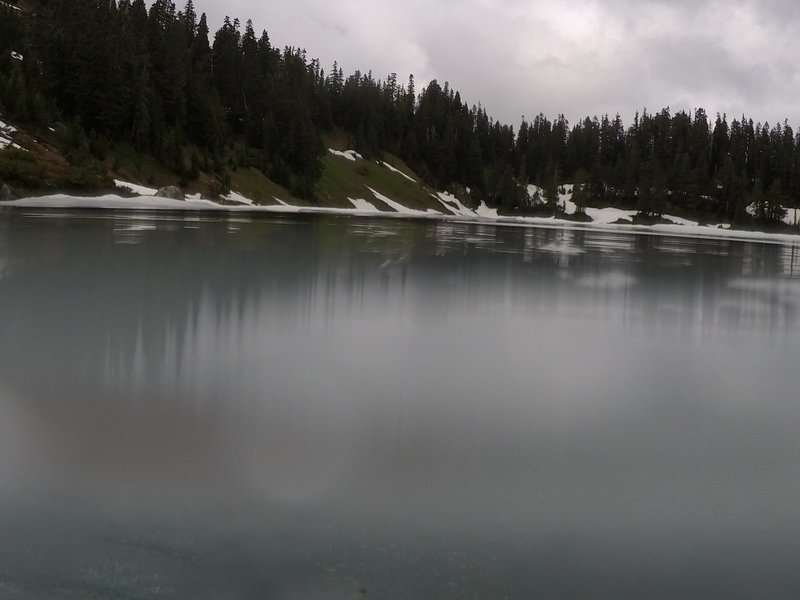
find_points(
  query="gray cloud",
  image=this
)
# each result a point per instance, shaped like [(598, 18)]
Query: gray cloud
[(577, 57)]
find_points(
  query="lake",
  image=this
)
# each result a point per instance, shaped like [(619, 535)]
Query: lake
[(297, 407)]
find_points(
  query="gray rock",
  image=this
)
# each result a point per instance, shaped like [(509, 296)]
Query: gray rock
[(171, 191), (6, 193)]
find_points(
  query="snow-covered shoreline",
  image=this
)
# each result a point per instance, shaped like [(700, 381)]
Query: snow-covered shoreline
[(603, 219)]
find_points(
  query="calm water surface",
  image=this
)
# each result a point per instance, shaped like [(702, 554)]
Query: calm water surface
[(320, 407)]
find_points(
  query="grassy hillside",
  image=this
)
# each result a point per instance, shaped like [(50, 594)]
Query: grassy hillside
[(47, 160), (253, 184), (343, 179)]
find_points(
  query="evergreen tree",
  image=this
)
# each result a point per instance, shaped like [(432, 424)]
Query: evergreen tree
[(227, 72), (123, 72), (645, 204), (549, 187), (580, 191)]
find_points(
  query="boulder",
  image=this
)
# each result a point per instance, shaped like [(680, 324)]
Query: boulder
[(6, 193), (171, 191)]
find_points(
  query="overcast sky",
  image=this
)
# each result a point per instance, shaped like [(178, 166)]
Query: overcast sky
[(577, 57)]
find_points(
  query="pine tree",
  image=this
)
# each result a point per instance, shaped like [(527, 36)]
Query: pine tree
[(659, 192), (549, 186), (227, 71), (204, 116), (645, 204), (580, 191)]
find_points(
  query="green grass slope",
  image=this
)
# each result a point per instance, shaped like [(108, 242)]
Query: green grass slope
[(45, 162), (253, 184), (343, 179)]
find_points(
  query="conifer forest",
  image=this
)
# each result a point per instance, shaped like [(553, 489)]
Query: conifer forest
[(202, 97)]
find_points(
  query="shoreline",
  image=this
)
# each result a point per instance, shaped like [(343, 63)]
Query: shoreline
[(138, 204)]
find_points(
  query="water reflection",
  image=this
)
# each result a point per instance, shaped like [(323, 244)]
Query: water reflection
[(416, 409)]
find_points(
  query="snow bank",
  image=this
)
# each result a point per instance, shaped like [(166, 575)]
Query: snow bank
[(400, 207), (609, 215), (454, 205), (565, 199), (6, 142), (603, 218), (141, 190), (135, 188), (364, 205), (6, 132), (598, 215), (113, 201), (238, 198), (681, 221), (348, 154), (395, 170), (486, 212)]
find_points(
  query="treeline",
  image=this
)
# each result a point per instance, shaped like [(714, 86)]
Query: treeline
[(118, 72), (155, 78)]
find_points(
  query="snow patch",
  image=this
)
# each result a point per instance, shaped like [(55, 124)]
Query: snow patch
[(454, 205), (363, 205), (238, 198), (395, 170), (348, 154), (607, 216), (603, 218), (399, 207), (486, 212), (565, 199), (6, 131), (681, 221), (114, 201), (446, 204), (135, 188), (533, 190), (6, 128)]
